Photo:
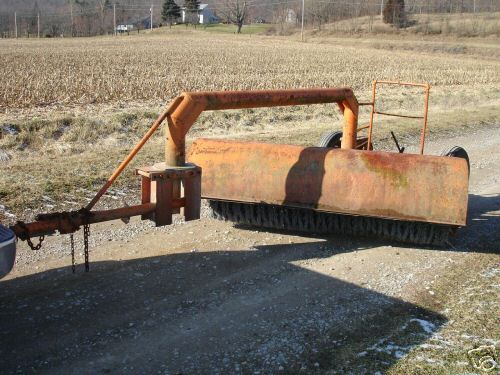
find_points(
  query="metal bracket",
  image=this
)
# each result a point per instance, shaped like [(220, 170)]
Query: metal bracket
[(161, 185)]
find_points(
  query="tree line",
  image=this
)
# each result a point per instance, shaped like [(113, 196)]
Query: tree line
[(56, 18)]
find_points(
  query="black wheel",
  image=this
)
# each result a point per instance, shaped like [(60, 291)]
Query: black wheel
[(331, 139), (457, 152)]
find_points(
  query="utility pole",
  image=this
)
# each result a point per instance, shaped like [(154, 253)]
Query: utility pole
[(114, 17), (72, 21), (382, 8), (38, 24), (15, 22), (474, 6), (302, 27), (151, 14)]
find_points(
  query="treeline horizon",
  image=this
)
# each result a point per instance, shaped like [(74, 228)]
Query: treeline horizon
[(56, 18)]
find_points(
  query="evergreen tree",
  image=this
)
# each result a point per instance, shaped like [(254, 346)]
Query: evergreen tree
[(192, 7), (394, 13), (170, 12)]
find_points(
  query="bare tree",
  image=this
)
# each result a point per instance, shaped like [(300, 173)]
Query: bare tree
[(32, 24), (102, 6), (86, 16), (394, 13), (191, 9), (235, 11)]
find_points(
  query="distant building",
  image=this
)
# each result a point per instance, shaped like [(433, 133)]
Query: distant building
[(124, 28), (205, 15), (133, 24), (290, 16)]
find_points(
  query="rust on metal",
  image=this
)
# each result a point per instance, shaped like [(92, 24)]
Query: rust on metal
[(356, 182), (193, 104), (165, 114), (398, 115), (158, 186), (352, 180), (399, 83), (427, 88), (69, 222)]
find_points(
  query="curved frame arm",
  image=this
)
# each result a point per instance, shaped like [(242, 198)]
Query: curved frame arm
[(194, 103), (183, 111)]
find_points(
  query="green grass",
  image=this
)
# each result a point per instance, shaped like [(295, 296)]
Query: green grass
[(221, 28), (255, 28)]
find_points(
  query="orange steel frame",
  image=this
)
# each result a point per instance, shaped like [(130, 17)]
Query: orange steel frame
[(181, 114), (426, 86), (184, 110)]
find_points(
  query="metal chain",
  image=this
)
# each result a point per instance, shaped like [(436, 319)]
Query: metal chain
[(38, 246), (73, 268), (86, 233)]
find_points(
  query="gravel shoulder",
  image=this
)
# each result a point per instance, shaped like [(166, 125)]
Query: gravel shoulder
[(208, 297)]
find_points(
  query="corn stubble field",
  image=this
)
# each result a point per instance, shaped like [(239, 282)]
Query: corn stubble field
[(70, 109), (158, 68)]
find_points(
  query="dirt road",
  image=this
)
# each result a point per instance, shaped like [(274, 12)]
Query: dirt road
[(206, 297)]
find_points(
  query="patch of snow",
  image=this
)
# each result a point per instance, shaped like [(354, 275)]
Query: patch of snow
[(10, 129), (399, 354), (4, 156), (491, 272), (427, 326)]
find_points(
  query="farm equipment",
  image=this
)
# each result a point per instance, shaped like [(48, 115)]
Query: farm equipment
[(341, 186)]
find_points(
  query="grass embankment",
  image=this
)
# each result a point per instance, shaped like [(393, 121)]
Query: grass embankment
[(443, 24)]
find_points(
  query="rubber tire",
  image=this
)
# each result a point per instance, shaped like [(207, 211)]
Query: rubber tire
[(457, 152), (331, 140)]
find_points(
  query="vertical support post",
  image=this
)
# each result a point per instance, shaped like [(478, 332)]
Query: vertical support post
[(192, 195), (151, 15), (426, 108), (372, 113), (114, 19), (15, 23), (349, 126), (38, 24), (146, 193), (302, 27), (72, 21), (163, 212)]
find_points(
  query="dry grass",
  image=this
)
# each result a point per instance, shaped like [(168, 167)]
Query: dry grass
[(458, 24)]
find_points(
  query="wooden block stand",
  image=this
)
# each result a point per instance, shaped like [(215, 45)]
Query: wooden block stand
[(161, 184)]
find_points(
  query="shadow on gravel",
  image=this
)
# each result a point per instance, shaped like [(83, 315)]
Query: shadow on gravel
[(216, 312), (483, 225)]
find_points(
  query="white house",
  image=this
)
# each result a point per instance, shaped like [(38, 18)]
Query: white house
[(290, 16), (124, 28), (205, 15)]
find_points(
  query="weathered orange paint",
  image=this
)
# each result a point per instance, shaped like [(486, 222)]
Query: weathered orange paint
[(194, 103), (356, 182)]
